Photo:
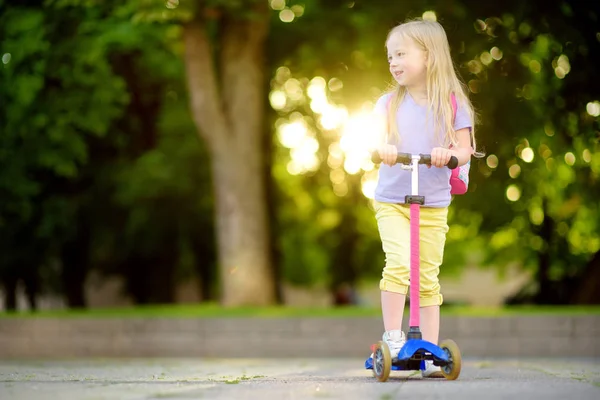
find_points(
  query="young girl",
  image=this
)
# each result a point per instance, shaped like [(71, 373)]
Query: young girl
[(421, 120)]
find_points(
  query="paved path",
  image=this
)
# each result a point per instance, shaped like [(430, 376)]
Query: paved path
[(290, 379)]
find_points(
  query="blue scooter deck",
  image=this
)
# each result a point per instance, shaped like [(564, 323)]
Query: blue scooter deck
[(414, 350)]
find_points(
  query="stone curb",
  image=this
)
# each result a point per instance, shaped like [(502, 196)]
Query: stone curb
[(510, 336)]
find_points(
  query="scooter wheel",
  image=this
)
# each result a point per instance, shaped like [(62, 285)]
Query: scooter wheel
[(382, 361), (452, 370)]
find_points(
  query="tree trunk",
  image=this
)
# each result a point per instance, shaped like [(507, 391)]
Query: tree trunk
[(545, 294), (204, 254), (75, 255), (10, 293), (344, 270), (230, 120), (588, 290), (272, 205)]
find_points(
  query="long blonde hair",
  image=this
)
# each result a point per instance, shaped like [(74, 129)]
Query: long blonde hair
[(442, 81)]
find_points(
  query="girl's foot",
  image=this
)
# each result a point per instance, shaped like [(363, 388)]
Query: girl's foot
[(395, 340), (431, 371)]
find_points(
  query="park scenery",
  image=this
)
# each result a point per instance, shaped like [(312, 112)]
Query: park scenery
[(193, 179)]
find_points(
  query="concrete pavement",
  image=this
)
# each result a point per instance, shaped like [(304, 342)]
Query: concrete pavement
[(290, 379)]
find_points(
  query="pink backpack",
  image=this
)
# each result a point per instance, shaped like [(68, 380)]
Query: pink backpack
[(459, 178)]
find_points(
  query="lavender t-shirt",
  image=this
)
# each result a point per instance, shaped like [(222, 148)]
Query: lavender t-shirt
[(416, 136)]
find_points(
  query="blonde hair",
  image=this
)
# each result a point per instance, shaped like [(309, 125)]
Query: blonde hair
[(442, 81)]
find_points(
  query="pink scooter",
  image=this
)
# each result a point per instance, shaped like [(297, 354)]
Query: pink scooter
[(416, 351)]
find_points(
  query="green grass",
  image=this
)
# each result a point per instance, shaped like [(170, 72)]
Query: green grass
[(216, 311)]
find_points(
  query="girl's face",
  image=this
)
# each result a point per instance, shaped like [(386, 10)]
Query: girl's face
[(407, 61)]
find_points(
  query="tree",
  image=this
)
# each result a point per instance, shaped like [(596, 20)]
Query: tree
[(48, 115), (228, 108), (95, 149), (225, 65)]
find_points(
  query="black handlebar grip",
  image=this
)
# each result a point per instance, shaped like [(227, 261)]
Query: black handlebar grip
[(401, 158), (425, 159), (453, 163)]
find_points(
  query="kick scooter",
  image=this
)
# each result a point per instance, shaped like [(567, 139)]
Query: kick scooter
[(416, 351)]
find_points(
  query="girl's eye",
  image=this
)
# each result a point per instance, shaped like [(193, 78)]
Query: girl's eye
[(400, 53)]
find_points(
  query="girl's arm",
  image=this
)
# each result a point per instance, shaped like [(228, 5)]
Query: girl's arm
[(464, 150), (440, 155)]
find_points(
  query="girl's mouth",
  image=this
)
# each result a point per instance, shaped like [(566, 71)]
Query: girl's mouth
[(398, 74)]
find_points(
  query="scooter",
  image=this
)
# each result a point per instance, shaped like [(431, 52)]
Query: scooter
[(416, 351)]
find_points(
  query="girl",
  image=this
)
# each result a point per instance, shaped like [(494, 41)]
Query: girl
[(420, 120)]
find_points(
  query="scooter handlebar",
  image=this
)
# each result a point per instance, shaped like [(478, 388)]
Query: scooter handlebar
[(406, 158)]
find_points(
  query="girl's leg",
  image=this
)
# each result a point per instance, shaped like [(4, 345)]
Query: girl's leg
[(430, 323), (433, 237), (393, 223), (392, 307)]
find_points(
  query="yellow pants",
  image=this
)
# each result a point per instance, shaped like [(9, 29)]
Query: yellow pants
[(394, 228)]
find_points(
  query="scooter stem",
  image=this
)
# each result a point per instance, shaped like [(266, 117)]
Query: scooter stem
[(415, 201)]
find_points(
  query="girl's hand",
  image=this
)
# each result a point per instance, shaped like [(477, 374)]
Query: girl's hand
[(388, 154), (440, 156)]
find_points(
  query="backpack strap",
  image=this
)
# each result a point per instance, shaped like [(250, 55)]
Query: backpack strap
[(454, 108)]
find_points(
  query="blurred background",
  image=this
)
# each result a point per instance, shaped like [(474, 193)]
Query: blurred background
[(161, 152)]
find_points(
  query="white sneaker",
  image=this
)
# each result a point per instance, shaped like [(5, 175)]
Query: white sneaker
[(395, 340), (431, 371)]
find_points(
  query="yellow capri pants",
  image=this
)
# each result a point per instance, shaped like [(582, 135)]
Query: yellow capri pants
[(393, 221)]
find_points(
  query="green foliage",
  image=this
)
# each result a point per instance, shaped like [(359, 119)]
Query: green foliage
[(96, 132), (527, 79), (546, 154)]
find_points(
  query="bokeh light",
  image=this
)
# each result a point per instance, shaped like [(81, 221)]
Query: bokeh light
[(492, 161), (429, 16), (292, 134), (570, 158), (592, 108), (335, 84), (561, 66), (277, 99), (535, 66), (545, 151), (172, 4), (369, 184), (298, 10), (496, 53), (536, 215), (514, 171), (278, 5), (527, 154), (513, 193), (486, 58), (360, 135), (287, 15)]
